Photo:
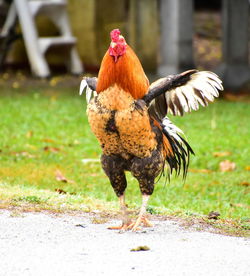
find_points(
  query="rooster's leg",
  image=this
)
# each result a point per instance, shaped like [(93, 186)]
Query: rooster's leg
[(142, 215), (126, 222), (124, 210), (114, 167), (145, 170)]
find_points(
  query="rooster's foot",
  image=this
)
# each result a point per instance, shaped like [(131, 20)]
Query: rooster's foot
[(123, 227), (135, 226)]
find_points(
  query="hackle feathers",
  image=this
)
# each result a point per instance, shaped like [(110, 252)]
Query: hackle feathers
[(127, 73)]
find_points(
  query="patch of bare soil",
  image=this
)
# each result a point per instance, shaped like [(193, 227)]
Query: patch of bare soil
[(61, 244)]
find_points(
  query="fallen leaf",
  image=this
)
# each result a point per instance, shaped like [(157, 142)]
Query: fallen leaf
[(245, 183), (29, 134), (239, 205), (213, 215), (23, 153), (6, 76), (15, 84), (222, 154), (54, 81), (27, 154), (53, 98), (141, 248), (48, 140), (247, 168), (60, 191), (32, 147), (20, 76), (62, 178), (51, 149), (227, 166), (247, 191), (199, 170), (76, 142), (236, 97)]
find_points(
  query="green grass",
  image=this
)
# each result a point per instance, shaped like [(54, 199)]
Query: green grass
[(43, 131)]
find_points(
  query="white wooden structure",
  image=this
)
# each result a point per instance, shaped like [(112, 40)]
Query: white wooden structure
[(36, 47)]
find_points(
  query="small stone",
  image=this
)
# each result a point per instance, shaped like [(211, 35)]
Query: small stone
[(213, 215), (140, 248)]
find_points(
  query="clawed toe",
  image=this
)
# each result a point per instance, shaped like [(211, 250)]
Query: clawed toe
[(141, 221), (146, 222), (127, 224), (123, 227), (133, 226)]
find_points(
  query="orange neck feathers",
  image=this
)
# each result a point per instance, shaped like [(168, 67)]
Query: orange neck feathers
[(126, 72)]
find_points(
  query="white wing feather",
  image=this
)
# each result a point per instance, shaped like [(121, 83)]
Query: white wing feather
[(89, 92), (201, 89), (82, 86)]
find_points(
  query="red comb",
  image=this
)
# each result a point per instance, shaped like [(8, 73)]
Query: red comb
[(115, 35)]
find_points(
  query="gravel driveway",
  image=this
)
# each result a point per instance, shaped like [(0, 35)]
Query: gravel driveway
[(45, 244)]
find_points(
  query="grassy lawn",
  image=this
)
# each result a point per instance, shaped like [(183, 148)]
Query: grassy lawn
[(45, 137)]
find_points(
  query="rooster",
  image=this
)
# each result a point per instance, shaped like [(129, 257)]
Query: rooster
[(128, 117)]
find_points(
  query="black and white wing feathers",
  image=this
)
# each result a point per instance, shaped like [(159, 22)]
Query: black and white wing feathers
[(177, 94), (88, 84)]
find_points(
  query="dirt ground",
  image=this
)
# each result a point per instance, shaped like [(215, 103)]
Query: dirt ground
[(49, 244)]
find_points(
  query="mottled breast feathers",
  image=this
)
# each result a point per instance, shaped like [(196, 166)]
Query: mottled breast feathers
[(119, 126)]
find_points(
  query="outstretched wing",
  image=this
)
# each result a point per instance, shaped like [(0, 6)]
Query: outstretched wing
[(88, 84), (177, 94)]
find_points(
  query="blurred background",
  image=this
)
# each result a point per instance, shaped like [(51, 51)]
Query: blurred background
[(49, 158), (168, 36)]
